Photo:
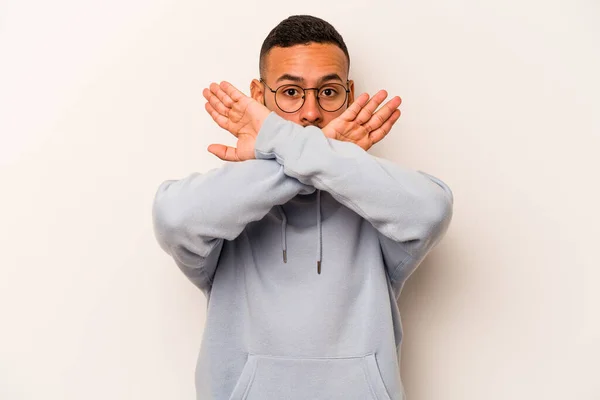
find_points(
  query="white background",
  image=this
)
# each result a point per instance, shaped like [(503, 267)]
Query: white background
[(100, 101)]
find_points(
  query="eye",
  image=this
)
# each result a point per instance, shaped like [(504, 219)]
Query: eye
[(329, 92), (292, 92)]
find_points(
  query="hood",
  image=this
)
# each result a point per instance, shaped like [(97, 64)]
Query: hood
[(319, 239)]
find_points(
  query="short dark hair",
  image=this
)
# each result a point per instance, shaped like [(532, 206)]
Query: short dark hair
[(301, 29)]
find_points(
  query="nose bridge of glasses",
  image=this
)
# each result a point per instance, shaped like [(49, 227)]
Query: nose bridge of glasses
[(315, 89)]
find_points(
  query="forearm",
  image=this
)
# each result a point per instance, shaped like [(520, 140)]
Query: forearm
[(404, 205), (193, 216)]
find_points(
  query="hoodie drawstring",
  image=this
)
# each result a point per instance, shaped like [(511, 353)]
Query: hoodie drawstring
[(283, 229), (319, 236), (319, 233)]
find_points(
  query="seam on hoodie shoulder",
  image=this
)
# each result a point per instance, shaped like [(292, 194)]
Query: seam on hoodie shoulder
[(207, 277), (401, 264)]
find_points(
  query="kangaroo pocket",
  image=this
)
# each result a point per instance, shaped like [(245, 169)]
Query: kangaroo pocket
[(275, 378)]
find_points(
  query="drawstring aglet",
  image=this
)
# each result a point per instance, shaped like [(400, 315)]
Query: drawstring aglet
[(285, 256), (318, 267)]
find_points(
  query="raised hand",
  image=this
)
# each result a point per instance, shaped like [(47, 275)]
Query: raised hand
[(361, 124), (237, 113)]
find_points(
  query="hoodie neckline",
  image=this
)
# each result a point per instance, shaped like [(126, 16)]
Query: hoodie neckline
[(306, 199)]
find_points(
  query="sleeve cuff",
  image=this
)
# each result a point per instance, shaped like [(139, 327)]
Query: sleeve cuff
[(274, 136)]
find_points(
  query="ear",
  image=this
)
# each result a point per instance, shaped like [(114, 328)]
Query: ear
[(257, 91), (351, 94)]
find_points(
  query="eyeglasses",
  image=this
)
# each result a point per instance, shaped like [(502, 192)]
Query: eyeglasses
[(290, 98)]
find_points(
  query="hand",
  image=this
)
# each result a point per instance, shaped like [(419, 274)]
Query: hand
[(237, 113), (360, 124)]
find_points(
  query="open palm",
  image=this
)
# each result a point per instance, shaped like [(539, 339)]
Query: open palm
[(237, 113), (362, 123)]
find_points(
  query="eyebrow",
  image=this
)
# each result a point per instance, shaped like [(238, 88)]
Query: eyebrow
[(298, 79)]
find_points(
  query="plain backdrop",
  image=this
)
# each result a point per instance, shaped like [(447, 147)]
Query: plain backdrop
[(100, 101)]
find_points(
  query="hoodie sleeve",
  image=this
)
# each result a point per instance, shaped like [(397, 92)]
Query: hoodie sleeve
[(411, 210), (193, 216)]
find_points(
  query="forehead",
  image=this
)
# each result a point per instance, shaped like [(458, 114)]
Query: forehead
[(310, 62)]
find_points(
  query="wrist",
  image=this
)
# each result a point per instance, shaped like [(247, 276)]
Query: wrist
[(259, 118)]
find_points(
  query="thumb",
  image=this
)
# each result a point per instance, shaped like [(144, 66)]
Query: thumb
[(225, 153)]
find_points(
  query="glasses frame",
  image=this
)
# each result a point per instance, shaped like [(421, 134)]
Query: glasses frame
[(304, 96)]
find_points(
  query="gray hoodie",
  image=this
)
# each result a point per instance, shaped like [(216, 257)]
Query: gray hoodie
[(302, 254)]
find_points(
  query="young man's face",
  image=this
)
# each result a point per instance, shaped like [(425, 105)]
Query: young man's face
[(309, 66)]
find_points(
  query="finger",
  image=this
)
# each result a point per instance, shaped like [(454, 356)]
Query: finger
[(367, 112), (221, 120), (382, 131), (225, 153), (352, 111), (380, 117), (206, 93), (217, 104), (221, 95), (231, 91)]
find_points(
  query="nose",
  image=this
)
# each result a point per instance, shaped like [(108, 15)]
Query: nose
[(311, 113)]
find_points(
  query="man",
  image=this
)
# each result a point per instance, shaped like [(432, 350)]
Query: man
[(302, 243)]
